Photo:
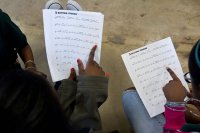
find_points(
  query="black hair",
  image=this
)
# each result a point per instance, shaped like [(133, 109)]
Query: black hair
[(28, 104), (194, 63)]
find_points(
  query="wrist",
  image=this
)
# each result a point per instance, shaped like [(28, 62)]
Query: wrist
[(175, 99), (175, 104), (30, 65)]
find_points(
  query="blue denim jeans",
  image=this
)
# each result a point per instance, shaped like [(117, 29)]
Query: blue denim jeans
[(138, 115)]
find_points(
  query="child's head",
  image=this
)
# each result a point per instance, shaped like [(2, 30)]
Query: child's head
[(194, 69), (28, 104)]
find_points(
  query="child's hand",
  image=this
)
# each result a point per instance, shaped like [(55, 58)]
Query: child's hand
[(92, 68), (174, 90)]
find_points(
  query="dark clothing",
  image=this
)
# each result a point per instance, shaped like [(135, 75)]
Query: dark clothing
[(12, 41), (81, 100)]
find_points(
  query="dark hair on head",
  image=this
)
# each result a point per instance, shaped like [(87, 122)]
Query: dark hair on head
[(194, 63), (29, 105)]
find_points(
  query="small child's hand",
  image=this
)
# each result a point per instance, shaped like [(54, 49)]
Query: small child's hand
[(92, 68), (174, 90)]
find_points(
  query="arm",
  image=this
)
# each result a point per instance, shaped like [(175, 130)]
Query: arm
[(174, 115), (26, 55), (67, 93), (96, 85), (91, 93), (16, 39), (175, 109), (80, 102)]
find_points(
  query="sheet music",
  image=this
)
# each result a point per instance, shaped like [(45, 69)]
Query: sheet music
[(70, 35), (147, 69)]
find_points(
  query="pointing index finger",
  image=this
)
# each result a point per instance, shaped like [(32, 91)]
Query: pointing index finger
[(173, 75), (92, 53)]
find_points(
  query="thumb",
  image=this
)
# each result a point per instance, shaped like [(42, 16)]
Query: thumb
[(72, 75), (80, 66)]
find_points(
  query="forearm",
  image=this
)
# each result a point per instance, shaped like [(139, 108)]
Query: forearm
[(92, 91), (175, 116), (96, 85), (26, 55), (67, 93)]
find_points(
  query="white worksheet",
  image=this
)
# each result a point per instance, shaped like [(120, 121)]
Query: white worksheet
[(147, 69), (70, 35)]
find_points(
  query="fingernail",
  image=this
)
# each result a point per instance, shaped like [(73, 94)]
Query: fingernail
[(72, 69), (95, 46), (78, 60), (107, 74)]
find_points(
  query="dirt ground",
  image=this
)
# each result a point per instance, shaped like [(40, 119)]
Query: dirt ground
[(129, 24)]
